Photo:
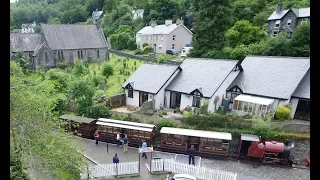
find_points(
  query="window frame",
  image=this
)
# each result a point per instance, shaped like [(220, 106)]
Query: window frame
[(173, 37), (98, 53), (46, 56), (289, 22), (172, 46), (277, 24), (130, 92)]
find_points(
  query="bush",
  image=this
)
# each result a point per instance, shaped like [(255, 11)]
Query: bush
[(247, 116), (107, 69), (282, 113), (99, 111), (138, 51), (60, 79), (79, 68), (261, 127), (204, 107), (97, 80), (189, 109), (147, 50), (149, 112), (164, 123), (145, 44), (62, 65), (60, 105)]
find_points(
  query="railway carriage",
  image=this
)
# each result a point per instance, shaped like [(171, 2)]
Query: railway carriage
[(205, 142), (136, 132)]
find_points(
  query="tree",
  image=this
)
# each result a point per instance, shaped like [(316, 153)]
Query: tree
[(300, 40), (60, 79), (132, 45), (240, 52), (99, 111), (79, 68), (210, 26), (35, 137), (243, 32), (277, 46), (107, 69), (82, 92), (160, 10)]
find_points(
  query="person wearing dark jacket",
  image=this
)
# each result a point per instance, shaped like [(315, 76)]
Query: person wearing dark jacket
[(191, 152), (96, 136), (115, 159)]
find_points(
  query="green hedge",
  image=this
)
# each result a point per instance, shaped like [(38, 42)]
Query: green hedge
[(282, 113)]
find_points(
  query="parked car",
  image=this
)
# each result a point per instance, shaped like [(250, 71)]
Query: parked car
[(185, 51), (170, 51)]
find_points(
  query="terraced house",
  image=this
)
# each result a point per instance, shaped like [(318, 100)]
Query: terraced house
[(287, 20)]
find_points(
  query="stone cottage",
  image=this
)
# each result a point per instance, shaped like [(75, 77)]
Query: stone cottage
[(286, 20), (60, 43)]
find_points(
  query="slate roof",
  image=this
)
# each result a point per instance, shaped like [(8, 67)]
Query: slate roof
[(203, 74), (73, 36), (150, 77), (271, 76), (303, 90), (79, 119), (24, 42), (300, 12), (160, 29)]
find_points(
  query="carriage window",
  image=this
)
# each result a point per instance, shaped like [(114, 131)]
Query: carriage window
[(141, 133), (116, 130), (109, 129), (171, 136), (102, 128), (147, 135), (217, 142), (134, 133)]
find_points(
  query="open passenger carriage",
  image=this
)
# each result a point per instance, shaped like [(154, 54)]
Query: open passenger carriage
[(205, 142), (85, 127), (136, 132)]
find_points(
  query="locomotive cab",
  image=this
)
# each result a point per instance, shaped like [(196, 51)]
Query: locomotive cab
[(249, 144)]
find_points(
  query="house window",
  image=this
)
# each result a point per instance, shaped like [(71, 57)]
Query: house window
[(277, 25), (81, 54), (274, 33), (78, 54), (233, 95), (289, 22), (130, 92), (172, 46), (46, 56), (173, 37), (162, 38), (59, 56), (196, 99), (98, 55), (62, 55), (156, 37)]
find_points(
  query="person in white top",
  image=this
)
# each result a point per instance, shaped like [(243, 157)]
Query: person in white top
[(118, 140)]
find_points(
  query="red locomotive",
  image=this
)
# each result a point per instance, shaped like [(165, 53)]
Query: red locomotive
[(251, 147)]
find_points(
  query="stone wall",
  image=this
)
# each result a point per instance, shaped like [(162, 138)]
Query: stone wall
[(128, 55), (117, 100)]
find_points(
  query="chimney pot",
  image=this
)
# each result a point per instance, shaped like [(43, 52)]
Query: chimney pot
[(279, 8)]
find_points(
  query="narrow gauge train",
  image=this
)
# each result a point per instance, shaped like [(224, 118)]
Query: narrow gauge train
[(206, 143)]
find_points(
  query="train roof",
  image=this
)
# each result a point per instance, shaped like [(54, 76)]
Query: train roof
[(196, 133), (79, 119), (151, 126), (125, 126), (249, 137)]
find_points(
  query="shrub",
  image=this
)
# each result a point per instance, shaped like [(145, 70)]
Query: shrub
[(138, 51), (97, 80), (164, 123), (79, 68), (129, 118), (261, 127), (145, 44), (60, 105), (189, 109), (282, 113), (149, 112), (204, 107), (99, 111), (247, 116), (60, 79), (107, 69), (147, 50), (62, 65), (164, 112)]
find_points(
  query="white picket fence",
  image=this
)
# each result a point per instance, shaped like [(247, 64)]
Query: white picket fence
[(112, 169), (200, 172)]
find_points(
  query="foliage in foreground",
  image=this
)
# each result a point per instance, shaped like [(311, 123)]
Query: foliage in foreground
[(36, 141)]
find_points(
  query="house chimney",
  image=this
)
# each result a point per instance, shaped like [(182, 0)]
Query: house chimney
[(168, 22), (279, 7), (153, 23), (179, 21)]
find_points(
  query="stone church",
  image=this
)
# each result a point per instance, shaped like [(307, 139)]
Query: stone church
[(61, 43)]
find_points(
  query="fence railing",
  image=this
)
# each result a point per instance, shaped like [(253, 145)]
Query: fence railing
[(200, 172), (112, 169)]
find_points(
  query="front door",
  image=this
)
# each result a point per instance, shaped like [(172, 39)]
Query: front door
[(175, 100), (143, 97), (303, 110)]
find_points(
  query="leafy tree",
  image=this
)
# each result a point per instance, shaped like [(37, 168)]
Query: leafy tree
[(99, 111), (107, 69), (277, 46), (60, 79), (243, 32), (82, 92), (35, 139), (160, 10), (210, 25), (240, 52), (132, 45), (145, 44), (79, 68), (246, 9), (300, 40)]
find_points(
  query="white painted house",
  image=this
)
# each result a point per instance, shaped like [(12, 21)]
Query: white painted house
[(138, 13), (187, 85), (164, 37), (269, 81), (147, 83)]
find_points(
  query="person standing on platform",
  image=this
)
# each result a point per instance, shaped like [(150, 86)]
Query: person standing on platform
[(144, 146), (191, 153), (115, 159), (118, 140), (96, 136), (125, 143)]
